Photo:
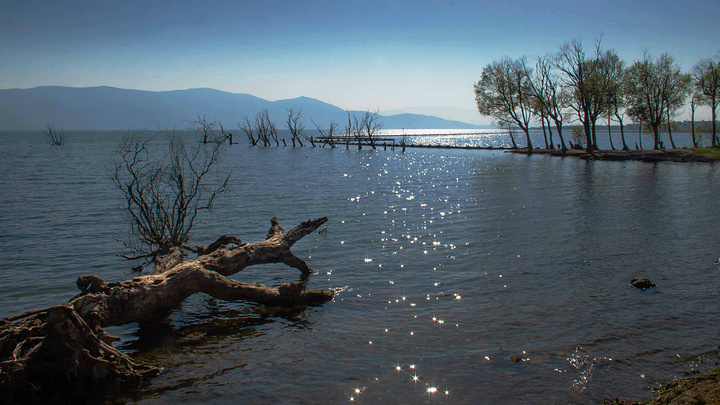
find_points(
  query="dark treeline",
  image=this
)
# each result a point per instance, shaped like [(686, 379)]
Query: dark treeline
[(597, 87)]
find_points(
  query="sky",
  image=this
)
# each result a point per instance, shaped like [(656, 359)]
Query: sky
[(386, 55)]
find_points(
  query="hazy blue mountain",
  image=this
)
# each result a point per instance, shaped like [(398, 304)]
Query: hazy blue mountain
[(469, 116), (112, 108)]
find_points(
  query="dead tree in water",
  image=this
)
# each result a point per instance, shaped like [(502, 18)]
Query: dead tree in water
[(266, 129), (164, 192), (226, 135), (249, 131), (370, 126), (294, 126), (328, 137), (55, 137), (205, 127), (63, 352)]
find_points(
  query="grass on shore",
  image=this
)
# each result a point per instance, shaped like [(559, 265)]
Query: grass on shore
[(710, 151)]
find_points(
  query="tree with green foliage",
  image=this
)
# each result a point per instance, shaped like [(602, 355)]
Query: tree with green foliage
[(504, 92), (706, 76), (651, 88), (550, 94)]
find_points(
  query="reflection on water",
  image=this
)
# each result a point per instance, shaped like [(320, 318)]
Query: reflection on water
[(465, 276)]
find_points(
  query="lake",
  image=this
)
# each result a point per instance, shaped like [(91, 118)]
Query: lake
[(464, 276)]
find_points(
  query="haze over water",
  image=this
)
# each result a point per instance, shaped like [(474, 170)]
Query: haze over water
[(465, 276)]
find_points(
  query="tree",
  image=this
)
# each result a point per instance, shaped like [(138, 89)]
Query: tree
[(249, 131), (590, 82), (295, 126), (706, 75), (163, 193), (354, 129), (205, 127), (617, 107), (57, 352), (504, 92), (609, 81), (651, 91), (55, 137), (265, 129), (328, 138), (226, 135), (677, 89), (571, 60), (505, 124), (547, 90), (370, 126), (693, 106)]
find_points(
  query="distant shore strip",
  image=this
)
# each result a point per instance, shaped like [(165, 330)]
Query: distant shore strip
[(682, 155)]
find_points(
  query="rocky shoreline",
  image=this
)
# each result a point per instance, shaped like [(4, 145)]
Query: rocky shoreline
[(703, 388)]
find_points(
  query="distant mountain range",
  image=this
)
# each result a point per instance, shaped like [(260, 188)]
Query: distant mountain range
[(105, 108)]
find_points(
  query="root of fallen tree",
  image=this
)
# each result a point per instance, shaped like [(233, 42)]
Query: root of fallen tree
[(63, 351)]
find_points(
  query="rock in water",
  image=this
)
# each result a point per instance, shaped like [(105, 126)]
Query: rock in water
[(641, 283)]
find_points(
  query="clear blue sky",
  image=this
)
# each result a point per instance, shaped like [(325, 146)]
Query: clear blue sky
[(354, 54)]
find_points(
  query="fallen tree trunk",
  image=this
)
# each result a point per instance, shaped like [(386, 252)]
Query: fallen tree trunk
[(65, 351)]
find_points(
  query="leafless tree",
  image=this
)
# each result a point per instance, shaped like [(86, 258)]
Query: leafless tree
[(164, 190), (265, 128), (295, 126), (354, 129), (328, 138), (249, 131), (370, 126), (226, 135), (55, 137), (403, 141), (206, 128)]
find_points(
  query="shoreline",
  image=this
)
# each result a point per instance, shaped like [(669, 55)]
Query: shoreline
[(682, 155), (702, 388)]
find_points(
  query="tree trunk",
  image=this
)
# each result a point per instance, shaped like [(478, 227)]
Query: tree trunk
[(63, 350), (588, 134), (714, 122), (542, 121), (512, 139), (560, 135), (594, 135), (692, 122), (552, 146), (528, 140), (622, 132), (672, 142)]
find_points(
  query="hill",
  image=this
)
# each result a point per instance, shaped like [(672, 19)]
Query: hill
[(105, 108)]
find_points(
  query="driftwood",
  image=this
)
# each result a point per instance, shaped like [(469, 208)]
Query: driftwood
[(64, 350)]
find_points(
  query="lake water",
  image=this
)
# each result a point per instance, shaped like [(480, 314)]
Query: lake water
[(451, 264)]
